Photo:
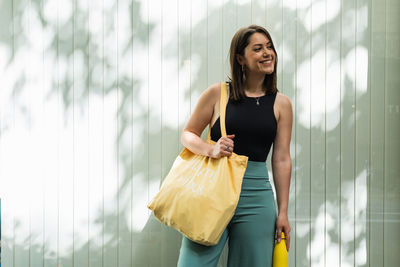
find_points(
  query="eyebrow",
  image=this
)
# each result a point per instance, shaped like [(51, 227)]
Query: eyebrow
[(268, 43)]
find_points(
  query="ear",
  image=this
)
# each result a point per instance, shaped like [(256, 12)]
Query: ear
[(240, 59)]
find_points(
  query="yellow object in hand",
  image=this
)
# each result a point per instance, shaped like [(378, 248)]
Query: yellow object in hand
[(281, 256)]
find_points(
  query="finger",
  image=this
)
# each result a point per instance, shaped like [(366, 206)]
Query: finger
[(231, 136), (225, 154), (228, 152), (227, 147), (227, 139), (229, 143), (278, 235), (222, 150), (223, 146), (226, 142)]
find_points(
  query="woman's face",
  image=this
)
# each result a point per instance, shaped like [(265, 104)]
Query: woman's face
[(259, 56)]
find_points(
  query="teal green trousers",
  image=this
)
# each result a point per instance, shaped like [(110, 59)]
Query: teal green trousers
[(251, 231)]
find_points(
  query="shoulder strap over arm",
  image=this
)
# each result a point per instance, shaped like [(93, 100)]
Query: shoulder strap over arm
[(222, 110)]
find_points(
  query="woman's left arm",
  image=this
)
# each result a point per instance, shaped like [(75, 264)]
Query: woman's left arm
[(282, 165)]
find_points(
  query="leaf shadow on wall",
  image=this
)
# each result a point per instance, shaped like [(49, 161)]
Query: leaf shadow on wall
[(139, 164)]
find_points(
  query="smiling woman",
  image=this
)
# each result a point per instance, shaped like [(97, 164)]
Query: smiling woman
[(94, 96), (252, 53), (257, 116)]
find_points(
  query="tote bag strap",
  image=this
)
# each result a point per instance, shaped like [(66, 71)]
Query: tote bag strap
[(222, 110)]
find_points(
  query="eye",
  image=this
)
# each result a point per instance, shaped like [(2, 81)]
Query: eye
[(257, 49)]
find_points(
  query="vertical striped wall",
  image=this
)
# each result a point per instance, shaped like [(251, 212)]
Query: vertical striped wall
[(94, 95)]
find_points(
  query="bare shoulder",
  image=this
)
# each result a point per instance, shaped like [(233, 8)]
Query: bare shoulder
[(283, 102), (210, 96), (282, 99), (204, 110), (213, 92), (282, 107)]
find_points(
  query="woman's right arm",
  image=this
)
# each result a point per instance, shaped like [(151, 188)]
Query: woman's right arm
[(200, 118)]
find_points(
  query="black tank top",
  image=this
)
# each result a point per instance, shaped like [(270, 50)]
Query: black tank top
[(254, 126)]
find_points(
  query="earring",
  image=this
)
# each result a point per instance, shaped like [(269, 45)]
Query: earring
[(243, 72)]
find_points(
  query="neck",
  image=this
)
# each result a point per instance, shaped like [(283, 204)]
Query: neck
[(254, 82)]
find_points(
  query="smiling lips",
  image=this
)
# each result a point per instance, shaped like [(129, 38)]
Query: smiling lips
[(268, 61)]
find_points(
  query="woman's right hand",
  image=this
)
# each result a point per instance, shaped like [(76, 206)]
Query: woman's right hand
[(224, 147)]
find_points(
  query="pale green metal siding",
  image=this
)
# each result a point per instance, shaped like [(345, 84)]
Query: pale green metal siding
[(94, 96)]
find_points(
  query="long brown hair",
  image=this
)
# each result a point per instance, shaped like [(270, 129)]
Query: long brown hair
[(239, 42)]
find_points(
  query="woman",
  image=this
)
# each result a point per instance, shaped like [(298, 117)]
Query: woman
[(257, 115)]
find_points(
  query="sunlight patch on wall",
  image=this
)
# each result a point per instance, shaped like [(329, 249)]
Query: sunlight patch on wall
[(23, 166), (287, 59), (321, 14), (291, 4), (170, 98), (333, 94), (272, 3), (216, 4), (302, 228), (332, 251), (358, 55), (199, 12), (358, 75), (311, 89), (140, 213), (96, 19), (353, 221), (64, 11), (317, 247), (243, 2)]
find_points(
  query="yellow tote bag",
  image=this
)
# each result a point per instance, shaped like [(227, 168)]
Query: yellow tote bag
[(200, 194)]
